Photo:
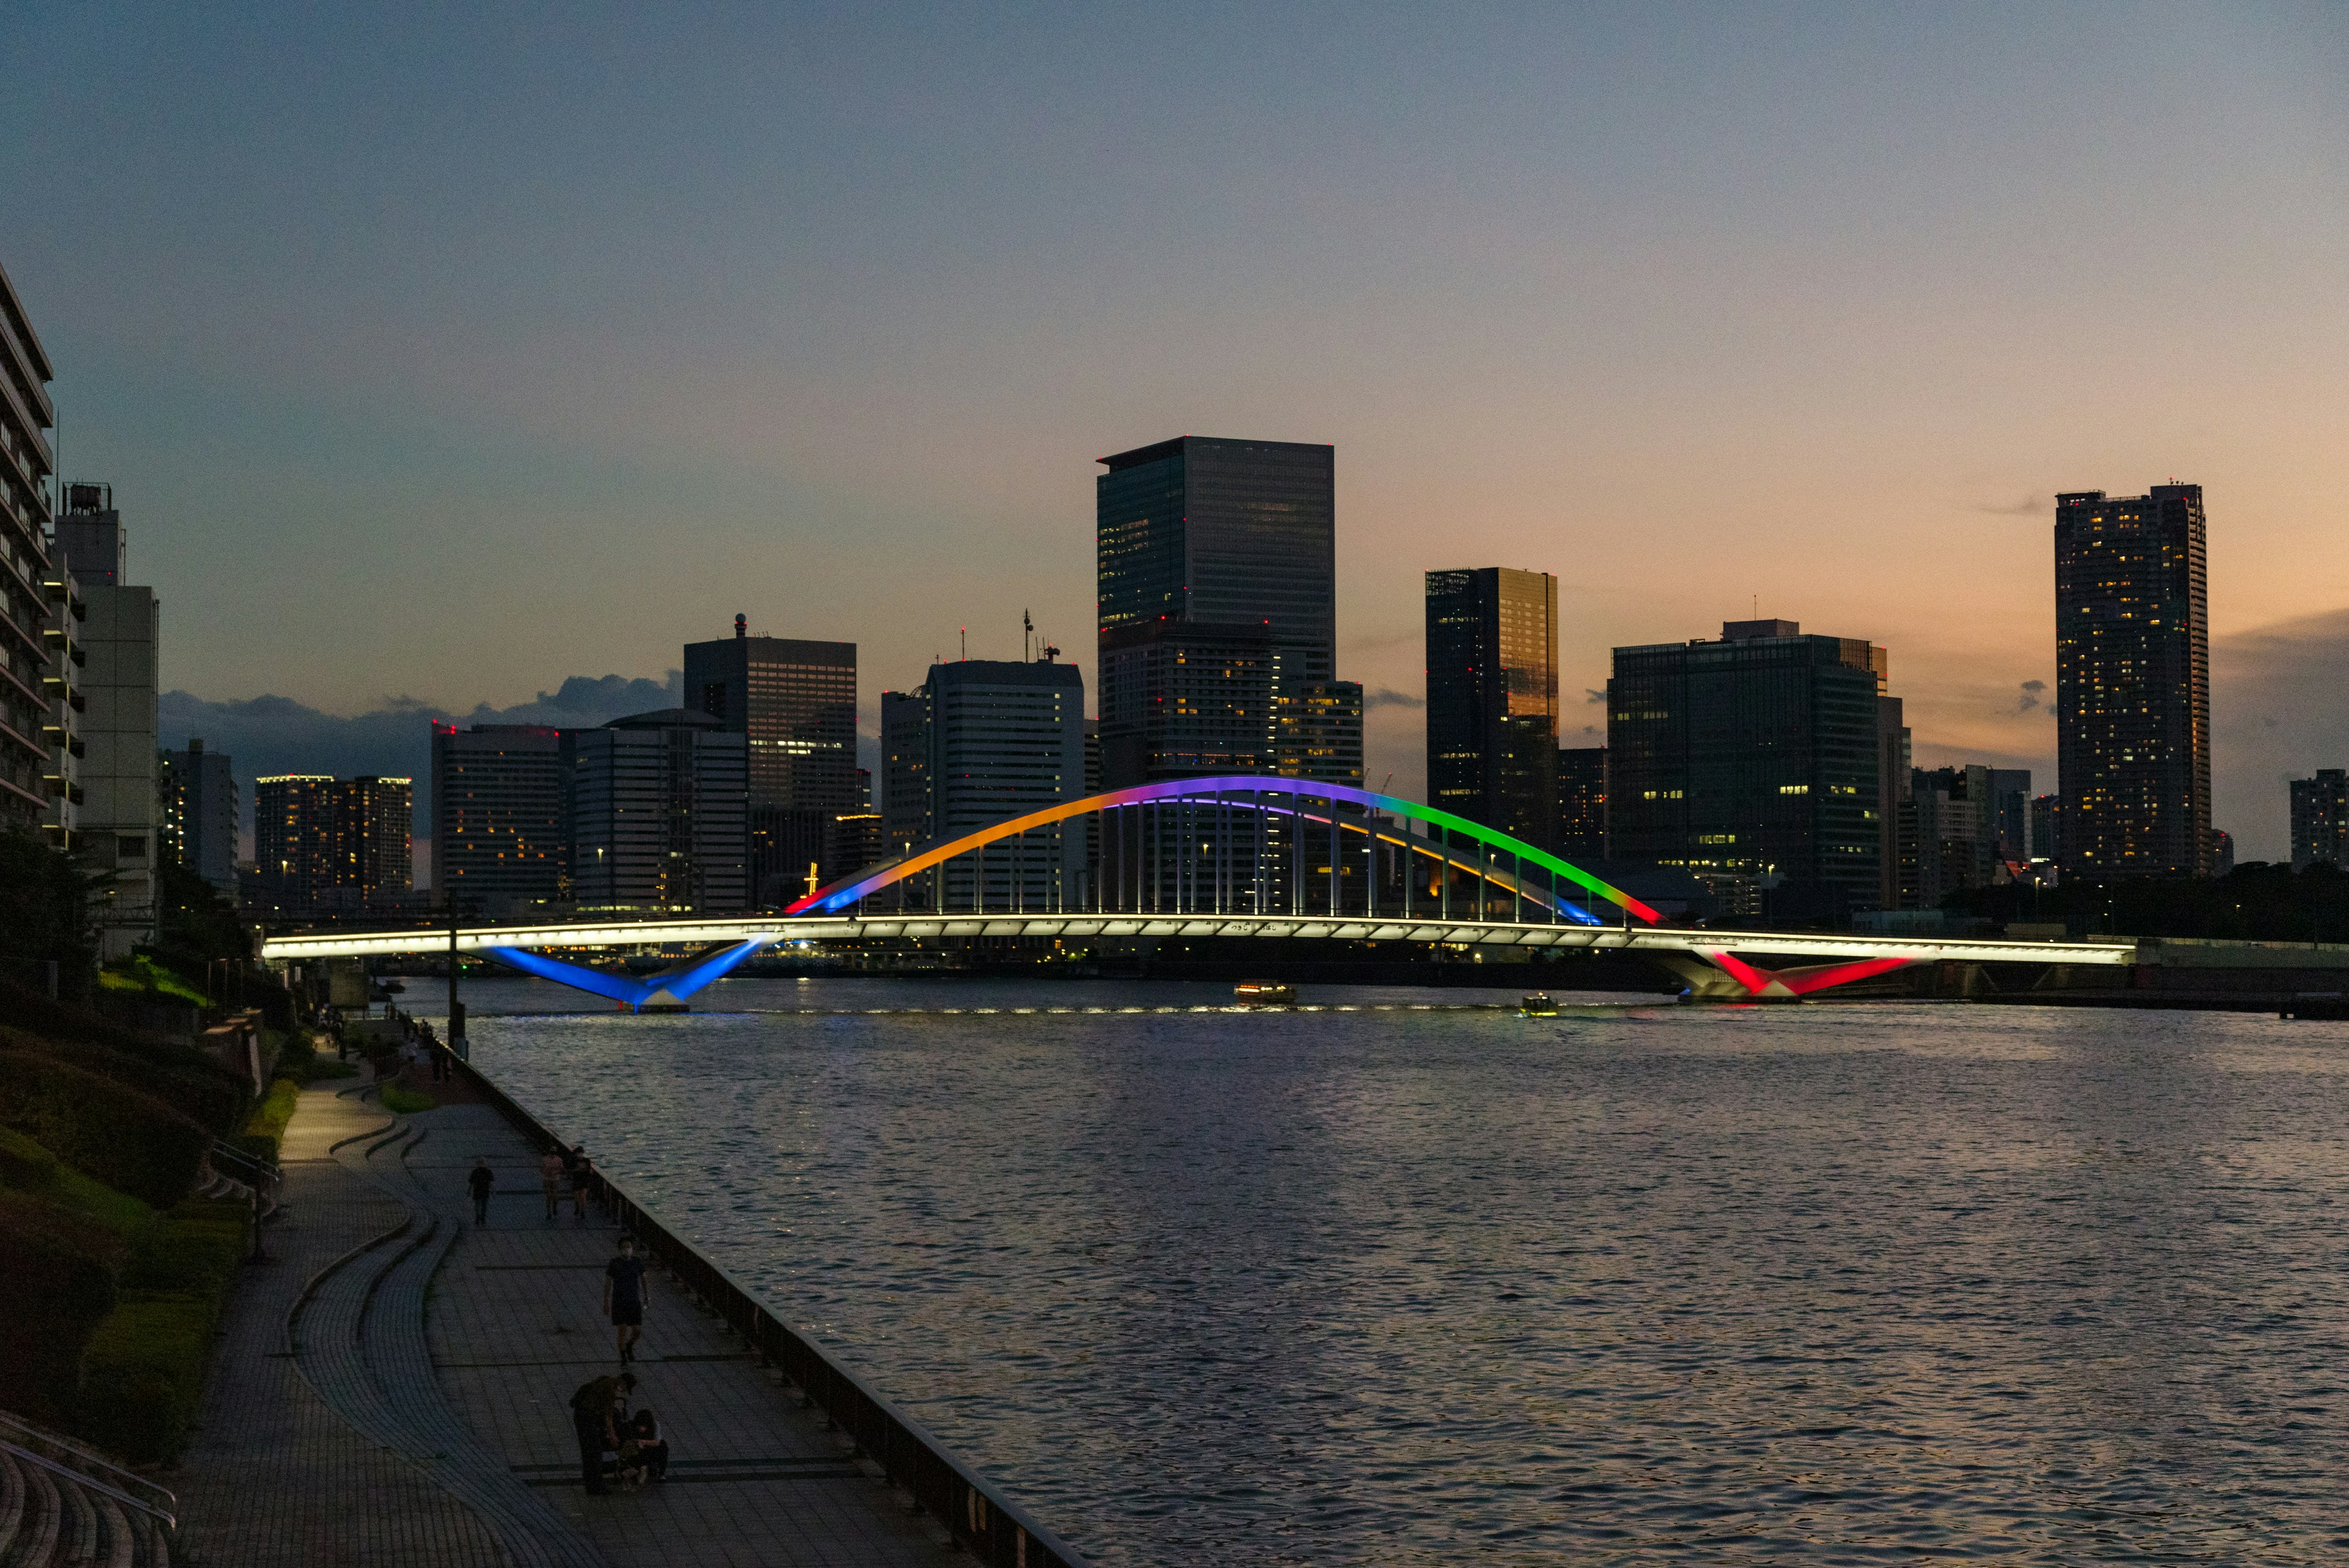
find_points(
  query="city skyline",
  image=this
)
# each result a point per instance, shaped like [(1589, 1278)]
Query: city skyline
[(1678, 346)]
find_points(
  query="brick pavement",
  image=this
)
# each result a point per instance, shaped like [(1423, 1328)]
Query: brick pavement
[(417, 1411), (274, 1477), (516, 1323)]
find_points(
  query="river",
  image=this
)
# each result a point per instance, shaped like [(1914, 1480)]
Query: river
[(1638, 1284)]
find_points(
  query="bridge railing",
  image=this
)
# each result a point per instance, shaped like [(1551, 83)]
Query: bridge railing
[(997, 1531)]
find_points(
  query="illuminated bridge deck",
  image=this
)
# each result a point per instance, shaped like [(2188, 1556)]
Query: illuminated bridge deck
[(1806, 946)]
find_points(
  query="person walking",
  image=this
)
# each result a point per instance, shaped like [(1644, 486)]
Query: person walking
[(550, 1180), (580, 1168), (624, 1298), (596, 1422), (481, 1179)]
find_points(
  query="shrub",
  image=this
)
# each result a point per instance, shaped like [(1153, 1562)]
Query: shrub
[(29, 1168), (131, 1141), (143, 1368), (199, 1086), (266, 1128), (60, 1270), (407, 1101)]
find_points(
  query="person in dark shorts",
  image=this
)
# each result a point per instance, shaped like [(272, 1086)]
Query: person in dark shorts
[(578, 1164), (624, 1297), (479, 1181), (596, 1422)]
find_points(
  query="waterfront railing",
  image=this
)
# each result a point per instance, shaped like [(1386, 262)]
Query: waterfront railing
[(994, 1530)]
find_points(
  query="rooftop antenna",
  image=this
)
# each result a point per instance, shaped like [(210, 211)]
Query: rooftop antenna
[(742, 628), (1027, 636), (965, 655)]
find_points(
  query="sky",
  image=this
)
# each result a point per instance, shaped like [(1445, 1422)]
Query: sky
[(439, 357)]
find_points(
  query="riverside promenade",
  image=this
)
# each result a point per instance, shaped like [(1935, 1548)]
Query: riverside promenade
[(393, 1387)]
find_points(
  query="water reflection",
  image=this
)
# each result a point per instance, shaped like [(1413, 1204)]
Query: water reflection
[(1636, 1285)]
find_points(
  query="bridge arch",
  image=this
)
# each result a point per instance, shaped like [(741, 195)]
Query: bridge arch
[(1164, 860)]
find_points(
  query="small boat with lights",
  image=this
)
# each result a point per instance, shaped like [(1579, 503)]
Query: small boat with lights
[(1263, 994), (1540, 1004)]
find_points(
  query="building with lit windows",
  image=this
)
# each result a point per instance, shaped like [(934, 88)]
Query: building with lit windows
[(1005, 739), (196, 808), (322, 843), (2320, 819), (1318, 734), (659, 806), (1492, 699), (793, 701), (1217, 571), (1754, 763), (499, 844), (1582, 803), (2132, 684)]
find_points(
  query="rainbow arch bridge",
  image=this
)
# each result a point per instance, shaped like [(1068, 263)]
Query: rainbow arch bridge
[(1238, 856)]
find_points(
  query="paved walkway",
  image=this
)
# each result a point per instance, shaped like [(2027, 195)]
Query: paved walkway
[(275, 1478), (428, 1420)]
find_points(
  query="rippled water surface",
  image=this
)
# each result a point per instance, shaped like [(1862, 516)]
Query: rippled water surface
[(1834, 1284)]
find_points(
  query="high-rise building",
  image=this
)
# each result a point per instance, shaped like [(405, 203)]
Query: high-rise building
[(794, 702), (117, 834), (322, 842), (196, 812), (1957, 831), (1896, 810), (659, 806), (2010, 813), (1753, 763), (2320, 819), (1582, 803), (1005, 739), (2045, 812), (1235, 543), (293, 835), (2132, 683), (1318, 734), (904, 784), (1492, 699), (38, 678), (499, 840), (1185, 700)]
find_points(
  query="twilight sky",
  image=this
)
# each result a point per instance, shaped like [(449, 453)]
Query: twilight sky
[(437, 355)]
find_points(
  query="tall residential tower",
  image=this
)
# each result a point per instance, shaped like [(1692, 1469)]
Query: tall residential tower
[(2132, 684), (38, 745)]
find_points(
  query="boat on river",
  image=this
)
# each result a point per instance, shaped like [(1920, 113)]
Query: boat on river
[(1263, 994), (1540, 1004)]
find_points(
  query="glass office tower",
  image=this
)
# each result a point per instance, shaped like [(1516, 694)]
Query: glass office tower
[(1492, 699), (2132, 684), (1235, 542)]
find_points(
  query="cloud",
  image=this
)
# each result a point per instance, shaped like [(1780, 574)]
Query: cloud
[(2029, 506), (1592, 694), (2029, 695), (1388, 697), (270, 735), (2278, 711)]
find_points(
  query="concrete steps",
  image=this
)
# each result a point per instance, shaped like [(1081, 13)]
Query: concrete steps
[(65, 1506)]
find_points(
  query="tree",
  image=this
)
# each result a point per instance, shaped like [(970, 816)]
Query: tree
[(45, 915)]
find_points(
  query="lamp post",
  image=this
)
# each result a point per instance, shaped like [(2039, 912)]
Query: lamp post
[(457, 1044)]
